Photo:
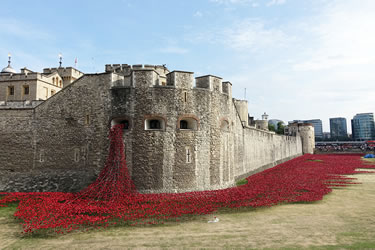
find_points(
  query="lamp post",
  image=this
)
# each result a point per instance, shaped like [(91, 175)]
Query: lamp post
[(60, 57)]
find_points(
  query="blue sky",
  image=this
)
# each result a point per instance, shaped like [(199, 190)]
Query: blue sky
[(297, 59)]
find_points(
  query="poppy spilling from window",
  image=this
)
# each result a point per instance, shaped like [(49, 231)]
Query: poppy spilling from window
[(113, 198)]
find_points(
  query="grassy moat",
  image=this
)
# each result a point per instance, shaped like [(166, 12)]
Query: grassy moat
[(344, 219)]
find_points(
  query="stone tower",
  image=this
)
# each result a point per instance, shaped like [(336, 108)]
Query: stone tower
[(306, 132)]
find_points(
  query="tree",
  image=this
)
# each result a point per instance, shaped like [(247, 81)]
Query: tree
[(280, 128), (271, 127)]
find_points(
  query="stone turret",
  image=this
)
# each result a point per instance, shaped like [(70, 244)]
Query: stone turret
[(243, 112), (306, 132)]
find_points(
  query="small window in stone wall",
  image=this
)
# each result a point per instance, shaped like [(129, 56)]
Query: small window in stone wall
[(121, 120), (26, 89), (11, 90), (154, 124), (185, 96), (188, 124), (87, 120), (188, 155), (85, 152), (76, 154), (183, 124), (41, 155), (125, 123)]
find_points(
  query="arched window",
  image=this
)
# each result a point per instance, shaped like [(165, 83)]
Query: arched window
[(121, 120), (125, 123), (187, 123), (53, 80), (154, 123), (183, 124)]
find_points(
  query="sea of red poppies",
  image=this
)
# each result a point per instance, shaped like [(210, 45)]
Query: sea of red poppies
[(113, 198)]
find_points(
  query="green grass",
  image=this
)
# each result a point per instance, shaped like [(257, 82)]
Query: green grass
[(9, 210), (241, 182)]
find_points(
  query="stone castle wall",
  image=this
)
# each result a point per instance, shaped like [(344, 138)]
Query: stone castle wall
[(62, 144), (50, 148)]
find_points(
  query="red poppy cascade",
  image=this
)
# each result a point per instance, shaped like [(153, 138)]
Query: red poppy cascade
[(113, 198)]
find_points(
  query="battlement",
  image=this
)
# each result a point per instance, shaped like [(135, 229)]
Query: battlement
[(25, 75), (209, 82), (26, 71), (69, 70), (227, 88), (180, 79), (126, 69), (19, 104), (142, 76)]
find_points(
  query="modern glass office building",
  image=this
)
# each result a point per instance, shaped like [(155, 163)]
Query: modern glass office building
[(338, 128), (363, 127), (317, 124)]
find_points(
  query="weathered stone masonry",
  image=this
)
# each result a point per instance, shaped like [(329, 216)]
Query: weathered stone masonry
[(179, 137)]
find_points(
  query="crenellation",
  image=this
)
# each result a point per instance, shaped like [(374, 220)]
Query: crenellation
[(144, 78), (180, 79), (227, 88), (213, 83), (19, 104), (242, 111), (137, 66)]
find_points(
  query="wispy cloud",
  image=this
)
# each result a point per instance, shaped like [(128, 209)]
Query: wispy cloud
[(276, 2), (343, 35), (250, 35), (198, 14), (231, 1), (253, 35)]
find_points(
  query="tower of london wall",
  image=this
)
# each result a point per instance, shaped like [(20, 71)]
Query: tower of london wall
[(181, 134)]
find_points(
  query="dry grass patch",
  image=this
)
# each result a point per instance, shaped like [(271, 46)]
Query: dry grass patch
[(369, 160)]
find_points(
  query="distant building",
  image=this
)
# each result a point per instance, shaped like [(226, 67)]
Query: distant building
[(318, 126), (29, 86), (326, 135), (338, 128), (363, 127)]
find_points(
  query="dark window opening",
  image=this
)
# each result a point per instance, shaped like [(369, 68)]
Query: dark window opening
[(125, 123), (87, 119), (26, 90), (155, 124), (11, 90), (183, 124)]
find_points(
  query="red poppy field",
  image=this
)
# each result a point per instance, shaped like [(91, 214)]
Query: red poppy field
[(113, 199)]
